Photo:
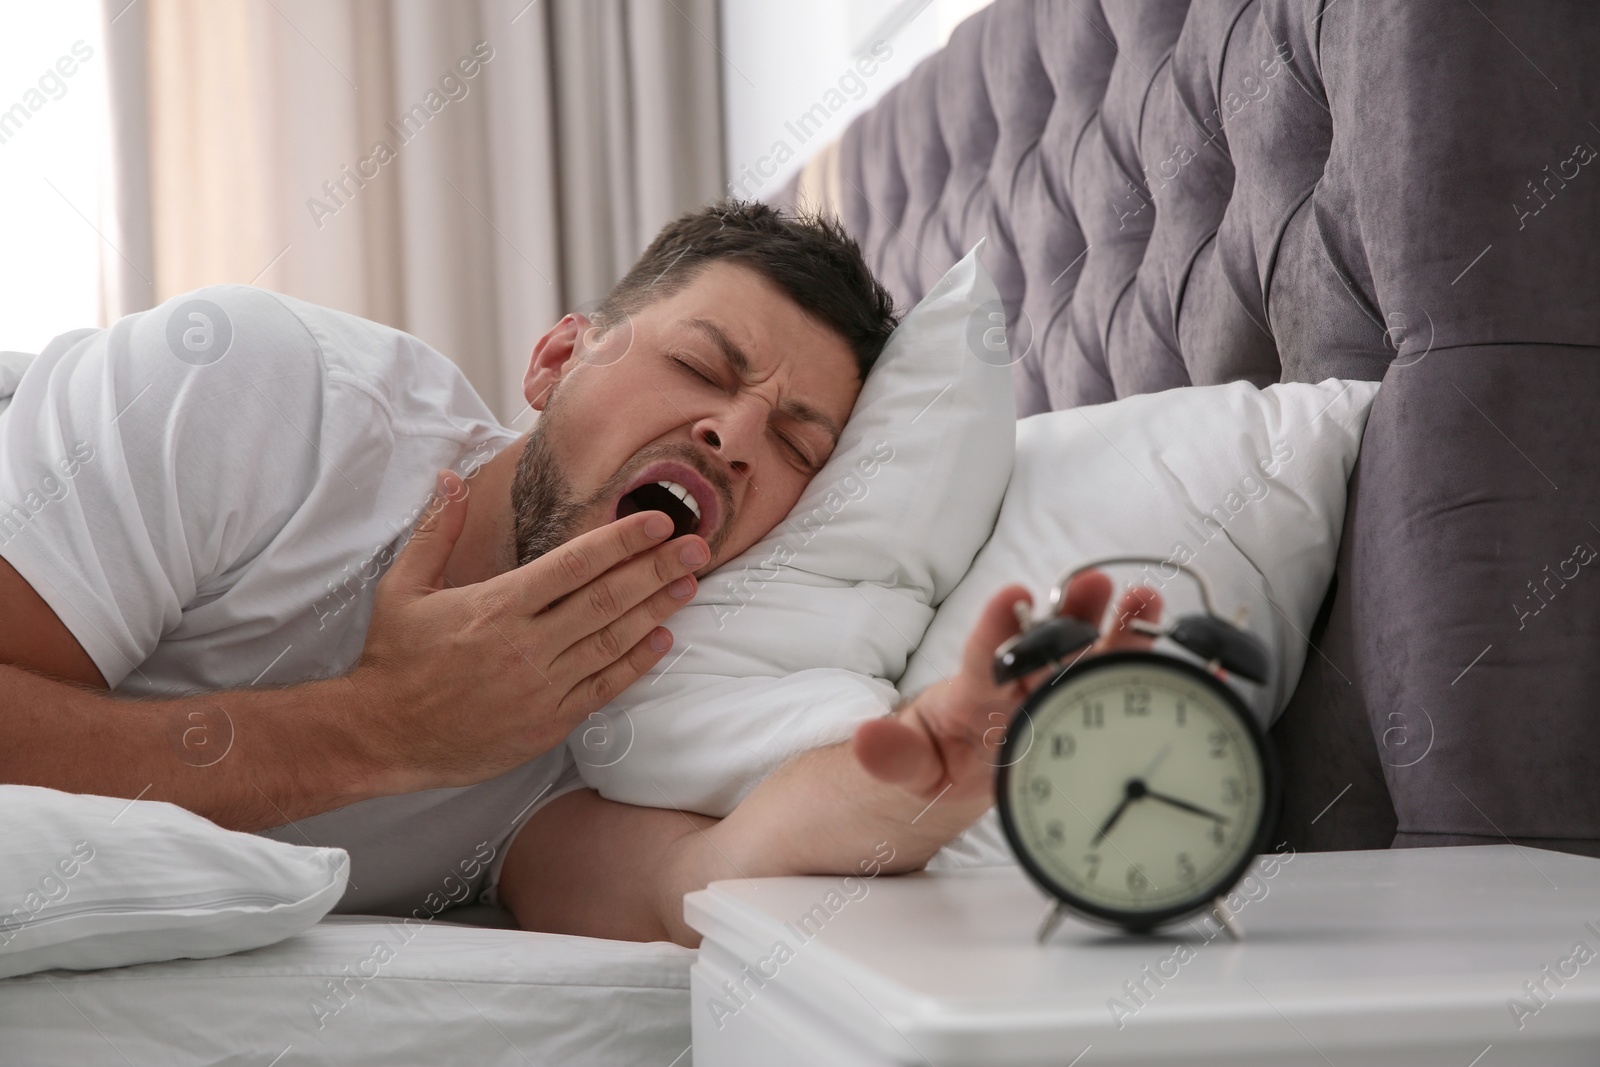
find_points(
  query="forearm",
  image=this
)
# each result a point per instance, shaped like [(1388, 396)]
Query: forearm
[(246, 759), (591, 866), (586, 865), (822, 813)]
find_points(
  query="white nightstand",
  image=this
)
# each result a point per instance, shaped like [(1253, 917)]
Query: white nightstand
[(1416, 957)]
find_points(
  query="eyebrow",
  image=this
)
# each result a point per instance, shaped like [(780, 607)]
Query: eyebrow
[(736, 358)]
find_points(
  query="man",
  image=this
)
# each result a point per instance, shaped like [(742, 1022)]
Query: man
[(229, 475)]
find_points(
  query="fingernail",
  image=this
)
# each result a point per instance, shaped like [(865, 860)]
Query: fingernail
[(660, 639), (694, 553), (658, 525), (683, 588)]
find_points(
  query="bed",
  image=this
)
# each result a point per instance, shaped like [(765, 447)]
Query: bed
[(1174, 193), (452, 993)]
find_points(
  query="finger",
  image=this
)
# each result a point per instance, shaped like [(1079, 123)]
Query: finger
[(1026, 686), (600, 688), (572, 566), (601, 602), (898, 754), (1087, 597), (420, 566), (606, 645), (1139, 602), (997, 624)]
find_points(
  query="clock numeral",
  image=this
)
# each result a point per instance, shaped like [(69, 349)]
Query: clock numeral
[(1231, 792), (1094, 715), (1062, 746), (1093, 860), (1040, 788), (1055, 833), (1136, 702), (1186, 869), (1217, 836), (1183, 714), (1137, 880), (1219, 743)]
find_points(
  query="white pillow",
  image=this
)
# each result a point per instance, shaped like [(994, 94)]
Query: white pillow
[(790, 645), (91, 882), (1245, 485)]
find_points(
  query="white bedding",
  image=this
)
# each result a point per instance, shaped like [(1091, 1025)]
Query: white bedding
[(450, 994)]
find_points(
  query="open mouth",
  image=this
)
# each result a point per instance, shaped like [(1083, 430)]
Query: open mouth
[(669, 497)]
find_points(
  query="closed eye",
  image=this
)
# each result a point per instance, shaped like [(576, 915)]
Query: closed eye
[(695, 371), (796, 450)]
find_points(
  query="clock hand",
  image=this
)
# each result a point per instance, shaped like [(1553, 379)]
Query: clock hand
[(1185, 805), (1149, 772), (1133, 791), (1100, 835)]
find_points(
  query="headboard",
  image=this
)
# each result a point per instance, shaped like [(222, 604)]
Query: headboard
[(1407, 190)]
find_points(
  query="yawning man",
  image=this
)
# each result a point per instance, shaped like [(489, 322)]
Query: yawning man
[(209, 498)]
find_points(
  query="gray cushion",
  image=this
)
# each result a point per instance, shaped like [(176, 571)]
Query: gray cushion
[(1405, 190)]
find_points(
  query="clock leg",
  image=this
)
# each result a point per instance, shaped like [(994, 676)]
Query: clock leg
[(1051, 921), (1230, 921)]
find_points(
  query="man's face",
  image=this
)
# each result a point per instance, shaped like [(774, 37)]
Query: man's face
[(725, 389)]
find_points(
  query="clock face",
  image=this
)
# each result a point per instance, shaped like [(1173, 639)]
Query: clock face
[(1135, 788)]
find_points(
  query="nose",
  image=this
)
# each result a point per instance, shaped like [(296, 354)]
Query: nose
[(735, 433)]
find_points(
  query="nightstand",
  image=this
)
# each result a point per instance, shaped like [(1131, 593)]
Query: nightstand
[(1459, 957)]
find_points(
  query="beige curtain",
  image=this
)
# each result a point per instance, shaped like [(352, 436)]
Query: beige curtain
[(464, 170)]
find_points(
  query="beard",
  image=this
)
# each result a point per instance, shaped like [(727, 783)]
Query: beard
[(547, 512)]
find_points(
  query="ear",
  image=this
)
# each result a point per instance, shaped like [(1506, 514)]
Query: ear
[(552, 356)]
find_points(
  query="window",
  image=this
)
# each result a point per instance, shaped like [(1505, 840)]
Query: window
[(54, 170)]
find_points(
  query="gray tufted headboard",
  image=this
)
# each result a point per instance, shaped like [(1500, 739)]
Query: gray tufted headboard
[(1189, 193)]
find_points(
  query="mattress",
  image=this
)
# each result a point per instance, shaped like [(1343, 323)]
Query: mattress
[(359, 990)]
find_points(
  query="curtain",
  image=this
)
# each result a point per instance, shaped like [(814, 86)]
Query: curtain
[(465, 170)]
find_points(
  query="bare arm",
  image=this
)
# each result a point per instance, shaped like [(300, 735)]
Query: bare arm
[(454, 685), (587, 865), (884, 802), (294, 752), (67, 734)]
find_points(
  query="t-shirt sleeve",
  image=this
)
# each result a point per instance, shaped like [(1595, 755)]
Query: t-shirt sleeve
[(141, 466)]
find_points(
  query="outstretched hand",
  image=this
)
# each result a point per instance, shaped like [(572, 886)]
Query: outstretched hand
[(946, 742)]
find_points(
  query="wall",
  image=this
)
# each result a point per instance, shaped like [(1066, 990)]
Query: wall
[(795, 72)]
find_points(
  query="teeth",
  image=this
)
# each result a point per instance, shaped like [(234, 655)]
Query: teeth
[(682, 494)]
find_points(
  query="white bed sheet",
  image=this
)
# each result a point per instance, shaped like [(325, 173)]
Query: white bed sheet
[(450, 994)]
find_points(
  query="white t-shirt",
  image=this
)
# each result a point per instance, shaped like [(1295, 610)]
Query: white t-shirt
[(204, 494), (222, 524)]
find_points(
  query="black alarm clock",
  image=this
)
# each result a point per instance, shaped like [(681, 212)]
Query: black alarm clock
[(1135, 787)]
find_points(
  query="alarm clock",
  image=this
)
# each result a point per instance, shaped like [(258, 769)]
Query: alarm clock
[(1135, 787)]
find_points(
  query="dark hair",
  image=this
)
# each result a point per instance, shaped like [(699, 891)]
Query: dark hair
[(809, 257)]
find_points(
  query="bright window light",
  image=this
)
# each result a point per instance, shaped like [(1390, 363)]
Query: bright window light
[(54, 155)]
